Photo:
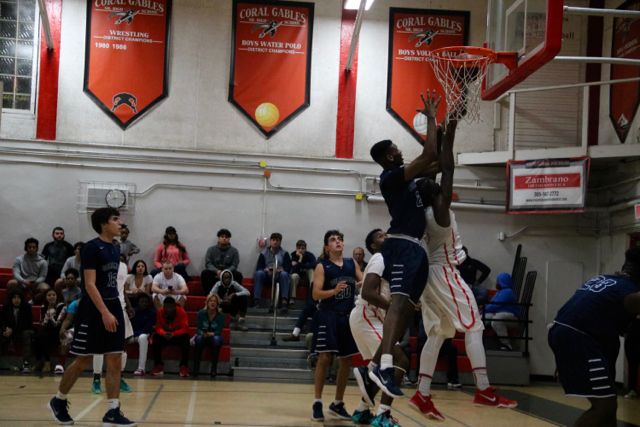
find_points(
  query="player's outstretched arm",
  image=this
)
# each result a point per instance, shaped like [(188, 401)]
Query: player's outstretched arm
[(421, 165), (447, 164), (370, 292)]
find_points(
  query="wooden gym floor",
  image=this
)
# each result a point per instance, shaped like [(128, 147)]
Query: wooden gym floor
[(175, 401)]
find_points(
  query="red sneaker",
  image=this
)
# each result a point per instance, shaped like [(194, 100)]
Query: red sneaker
[(157, 370), (489, 397), (138, 373), (184, 372), (423, 405)]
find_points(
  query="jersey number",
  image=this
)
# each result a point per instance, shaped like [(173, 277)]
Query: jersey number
[(345, 293)]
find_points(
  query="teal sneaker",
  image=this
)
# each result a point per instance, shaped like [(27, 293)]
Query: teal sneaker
[(95, 387), (362, 417), (124, 387), (384, 420)]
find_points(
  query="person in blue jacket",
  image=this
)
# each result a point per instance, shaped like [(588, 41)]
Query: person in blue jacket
[(498, 312), (142, 323), (265, 271)]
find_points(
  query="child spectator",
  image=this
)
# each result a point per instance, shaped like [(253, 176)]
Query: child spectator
[(168, 283), (172, 250), (264, 270), (72, 291), (52, 314), (210, 324), (29, 273), (303, 264), (497, 311), (220, 257), (127, 247), (71, 262), (56, 253), (138, 282), (234, 298), (142, 322), (66, 337), (172, 328), (16, 324)]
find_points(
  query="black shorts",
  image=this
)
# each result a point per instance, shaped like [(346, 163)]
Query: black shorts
[(332, 334), (584, 368), (91, 337), (406, 267)]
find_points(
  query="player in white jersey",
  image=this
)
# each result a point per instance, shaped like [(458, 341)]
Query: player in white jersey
[(366, 321), (448, 304)]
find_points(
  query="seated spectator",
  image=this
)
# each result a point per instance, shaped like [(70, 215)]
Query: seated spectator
[(16, 324), (172, 250), (66, 337), (56, 253), (220, 257), (138, 282), (210, 324), (168, 283), (123, 259), (497, 311), (303, 265), (30, 273), (264, 270), (172, 328), (127, 247), (72, 291), (52, 314), (234, 298), (469, 272), (307, 312), (142, 322), (358, 257), (71, 262)]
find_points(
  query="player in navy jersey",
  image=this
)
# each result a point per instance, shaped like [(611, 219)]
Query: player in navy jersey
[(585, 338), (406, 263), (334, 285), (99, 321)]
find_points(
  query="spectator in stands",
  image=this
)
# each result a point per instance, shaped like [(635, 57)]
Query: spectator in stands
[(219, 258), (30, 273), (210, 324), (264, 270), (52, 314), (358, 257), (234, 298), (142, 322), (469, 271), (66, 337), (501, 309), (56, 253), (16, 324), (71, 262), (172, 328), (632, 352), (72, 291), (303, 264), (138, 282), (172, 250), (127, 247), (167, 282), (307, 312)]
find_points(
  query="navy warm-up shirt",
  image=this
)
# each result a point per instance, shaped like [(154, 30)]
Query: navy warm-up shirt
[(404, 203), (104, 258), (333, 274), (597, 308)]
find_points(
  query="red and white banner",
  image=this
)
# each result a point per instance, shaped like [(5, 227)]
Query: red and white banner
[(547, 186), (127, 56), (413, 34), (271, 61)]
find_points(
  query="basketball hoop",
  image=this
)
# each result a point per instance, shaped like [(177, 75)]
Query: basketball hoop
[(461, 70)]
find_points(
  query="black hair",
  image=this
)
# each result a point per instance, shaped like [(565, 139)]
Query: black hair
[(29, 241), (224, 232), (428, 190), (135, 267), (301, 244), (78, 245), (146, 296), (325, 254), (57, 228), (72, 271), (102, 216), (124, 227), (369, 240), (380, 149), (169, 300), (632, 257), (276, 236)]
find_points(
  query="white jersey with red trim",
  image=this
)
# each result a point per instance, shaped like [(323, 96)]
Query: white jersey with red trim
[(443, 244), (376, 266)]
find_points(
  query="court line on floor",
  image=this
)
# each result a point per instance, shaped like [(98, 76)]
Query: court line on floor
[(153, 402), (87, 409), (192, 403)]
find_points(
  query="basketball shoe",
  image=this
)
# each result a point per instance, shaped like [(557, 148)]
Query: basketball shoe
[(423, 404)]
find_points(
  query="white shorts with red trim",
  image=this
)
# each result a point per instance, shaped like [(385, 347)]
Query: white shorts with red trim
[(366, 328), (448, 303)]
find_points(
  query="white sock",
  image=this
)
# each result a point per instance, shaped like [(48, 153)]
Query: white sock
[(362, 406), (428, 360), (371, 366), (382, 409), (424, 384), (317, 400), (337, 402), (112, 404), (124, 361), (477, 357), (386, 361), (296, 331), (61, 396)]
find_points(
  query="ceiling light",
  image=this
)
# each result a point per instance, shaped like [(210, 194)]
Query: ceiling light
[(355, 4)]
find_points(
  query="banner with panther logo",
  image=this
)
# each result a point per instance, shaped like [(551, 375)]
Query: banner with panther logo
[(413, 34), (127, 56), (271, 61), (624, 97)]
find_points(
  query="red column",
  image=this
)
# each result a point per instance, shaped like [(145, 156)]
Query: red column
[(346, 89)]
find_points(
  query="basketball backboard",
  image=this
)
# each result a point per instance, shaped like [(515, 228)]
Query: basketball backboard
[(532, 28)]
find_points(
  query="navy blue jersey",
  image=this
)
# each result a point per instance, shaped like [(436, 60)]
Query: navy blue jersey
[(597, 308), (104, 258), (404, 203), (333, 274)]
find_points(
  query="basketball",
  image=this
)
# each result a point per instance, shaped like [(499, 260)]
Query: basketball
[(420, 123), (267, 114)]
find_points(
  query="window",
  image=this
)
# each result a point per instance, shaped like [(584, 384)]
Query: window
[(18, 50)]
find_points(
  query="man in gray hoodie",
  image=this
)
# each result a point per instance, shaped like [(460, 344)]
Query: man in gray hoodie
[(30, 272), (234, 298), (220, 257)]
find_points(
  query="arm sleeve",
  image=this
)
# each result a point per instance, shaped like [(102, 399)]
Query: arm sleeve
[(70, 251), (240, 290), (286, 262), (45, 251), (90, 256), (393, 180), (64, 268), (310, 261), (295, 268), (42, 274), (208, 260), (261, 263), (220, 319), (185, 257), (151, 321), (157, 260), (235, 260), (200, 321), (134, 249), (160, 323), (61, 314), (214, 290), (376, 265), (484, 269), (182, 321), (17, 274), (180, 280)]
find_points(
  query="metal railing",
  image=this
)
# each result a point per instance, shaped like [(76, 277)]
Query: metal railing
[(275, 293)]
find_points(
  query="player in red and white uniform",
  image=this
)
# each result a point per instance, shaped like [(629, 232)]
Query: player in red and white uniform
[(448, 304)]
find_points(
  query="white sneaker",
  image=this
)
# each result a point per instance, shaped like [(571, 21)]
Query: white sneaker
[(631, 395), (59, 369)]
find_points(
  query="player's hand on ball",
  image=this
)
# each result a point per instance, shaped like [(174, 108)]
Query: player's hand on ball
[(430, 105), (110, 322)]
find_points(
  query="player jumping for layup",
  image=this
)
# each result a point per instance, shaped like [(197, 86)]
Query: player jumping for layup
[(406, 263), (447, 302)]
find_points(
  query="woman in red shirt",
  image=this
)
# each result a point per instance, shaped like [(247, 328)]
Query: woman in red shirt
[(172, 250)]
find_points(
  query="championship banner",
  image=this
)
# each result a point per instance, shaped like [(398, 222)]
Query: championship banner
[(547, 186), (271, 61), (623, 101), (413, 34), (127, 56)]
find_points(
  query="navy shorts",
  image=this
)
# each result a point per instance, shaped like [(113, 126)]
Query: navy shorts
[(406, 267), (332, 334), (584, 369), (91, 337)]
